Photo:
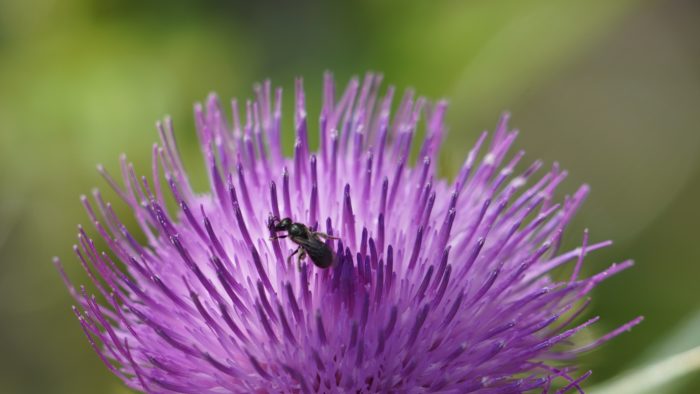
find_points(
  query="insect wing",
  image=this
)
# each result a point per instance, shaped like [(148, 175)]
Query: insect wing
[(320, 253)]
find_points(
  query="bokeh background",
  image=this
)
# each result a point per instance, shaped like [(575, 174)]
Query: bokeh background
[(609, 88)]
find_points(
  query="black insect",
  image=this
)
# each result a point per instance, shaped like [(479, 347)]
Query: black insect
[(309, 241)]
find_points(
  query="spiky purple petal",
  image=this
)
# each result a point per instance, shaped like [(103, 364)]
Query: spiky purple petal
[(436, 286)]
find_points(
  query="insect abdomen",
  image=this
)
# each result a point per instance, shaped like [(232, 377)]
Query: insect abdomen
[(322, 256)]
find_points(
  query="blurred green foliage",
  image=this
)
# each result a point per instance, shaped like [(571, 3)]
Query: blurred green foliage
[(608, 88)]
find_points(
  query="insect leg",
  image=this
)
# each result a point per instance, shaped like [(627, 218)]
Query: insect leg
[(324, 235), (278, 236), (301, 257), (289, 258)]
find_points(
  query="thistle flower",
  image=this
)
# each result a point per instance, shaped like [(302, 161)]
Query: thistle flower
[(436, 285)]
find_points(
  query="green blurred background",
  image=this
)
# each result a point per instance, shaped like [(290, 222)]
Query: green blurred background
[(610, 89)]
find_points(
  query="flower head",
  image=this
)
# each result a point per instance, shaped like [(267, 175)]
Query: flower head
[(435, 285)]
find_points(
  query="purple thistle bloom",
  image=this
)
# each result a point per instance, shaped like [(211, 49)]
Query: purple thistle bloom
[(436, 285)]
